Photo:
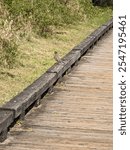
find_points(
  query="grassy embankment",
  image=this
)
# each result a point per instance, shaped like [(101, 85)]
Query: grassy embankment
[(29, 39)]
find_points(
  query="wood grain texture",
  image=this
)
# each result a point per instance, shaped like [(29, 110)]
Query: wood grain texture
[(78, 114)]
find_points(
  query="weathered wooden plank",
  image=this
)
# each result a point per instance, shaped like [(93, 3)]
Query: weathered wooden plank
[(78, 115), (6, 118), (33, 93), (29, 95)]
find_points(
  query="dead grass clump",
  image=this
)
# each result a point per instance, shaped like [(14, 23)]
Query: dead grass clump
[(8, 44), (12, 30)]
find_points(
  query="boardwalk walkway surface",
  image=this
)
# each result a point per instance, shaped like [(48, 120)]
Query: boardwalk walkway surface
[(78, 114)]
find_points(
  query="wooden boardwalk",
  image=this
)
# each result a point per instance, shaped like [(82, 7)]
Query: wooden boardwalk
[(78, 114)]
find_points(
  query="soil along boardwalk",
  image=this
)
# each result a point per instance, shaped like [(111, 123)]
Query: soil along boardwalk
[(78, 114)]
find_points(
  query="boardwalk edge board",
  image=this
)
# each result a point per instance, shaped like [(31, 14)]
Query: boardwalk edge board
[(17, 106)]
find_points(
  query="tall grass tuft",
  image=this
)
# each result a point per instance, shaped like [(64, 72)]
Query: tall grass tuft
[(12, 30)]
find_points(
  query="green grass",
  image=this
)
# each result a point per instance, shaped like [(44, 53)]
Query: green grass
[(36, 55)]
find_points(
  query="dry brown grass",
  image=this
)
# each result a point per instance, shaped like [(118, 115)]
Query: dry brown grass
[(11, 32)]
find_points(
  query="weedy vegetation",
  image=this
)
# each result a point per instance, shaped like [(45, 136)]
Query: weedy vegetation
[(30, 32)]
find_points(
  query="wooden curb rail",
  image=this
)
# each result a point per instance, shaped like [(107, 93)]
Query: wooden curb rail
[(18, 105)]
